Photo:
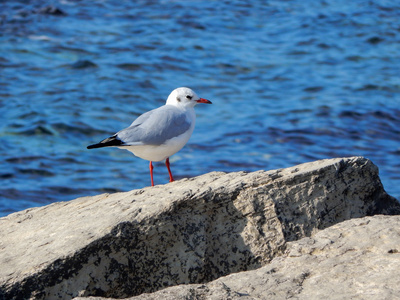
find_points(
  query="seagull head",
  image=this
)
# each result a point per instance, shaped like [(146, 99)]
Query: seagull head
[(185, 97)]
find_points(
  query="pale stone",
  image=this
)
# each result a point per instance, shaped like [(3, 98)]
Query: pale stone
[(190, 231), (356, 259)]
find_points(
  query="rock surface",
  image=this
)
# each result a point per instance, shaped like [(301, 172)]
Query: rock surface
[(356, 259), (190, 231)]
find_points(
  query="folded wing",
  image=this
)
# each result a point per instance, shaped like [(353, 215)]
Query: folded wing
[(152, 128)]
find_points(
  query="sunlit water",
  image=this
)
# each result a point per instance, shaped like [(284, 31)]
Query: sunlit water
[(291, 82)]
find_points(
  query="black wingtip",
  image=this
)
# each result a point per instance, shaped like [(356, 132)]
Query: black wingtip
[(108, 142), (94, 146)]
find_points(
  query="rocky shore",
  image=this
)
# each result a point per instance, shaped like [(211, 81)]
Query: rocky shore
[(306, 232)]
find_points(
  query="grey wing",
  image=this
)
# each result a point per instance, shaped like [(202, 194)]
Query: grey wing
[(155, 127)]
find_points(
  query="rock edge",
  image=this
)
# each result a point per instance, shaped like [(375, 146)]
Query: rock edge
[(191, 231)]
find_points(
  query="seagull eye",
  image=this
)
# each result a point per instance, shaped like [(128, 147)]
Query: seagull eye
[(189, 97)]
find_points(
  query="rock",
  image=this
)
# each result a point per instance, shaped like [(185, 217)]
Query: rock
[(356, 259), (190, 231)]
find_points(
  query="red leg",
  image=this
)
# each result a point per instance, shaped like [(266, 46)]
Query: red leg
[(169, 170), (151, 173)]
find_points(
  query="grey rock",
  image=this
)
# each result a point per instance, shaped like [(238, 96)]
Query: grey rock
[(186, 232), (356, 259)]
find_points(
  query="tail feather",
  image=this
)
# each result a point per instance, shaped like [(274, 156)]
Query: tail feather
[(108, 142)]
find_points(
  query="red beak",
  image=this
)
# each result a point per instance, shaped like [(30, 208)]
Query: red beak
[(202, 100)]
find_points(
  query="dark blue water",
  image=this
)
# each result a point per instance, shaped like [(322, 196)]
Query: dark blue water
[(291, 82)]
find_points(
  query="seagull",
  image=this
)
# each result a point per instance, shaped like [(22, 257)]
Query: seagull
[(161, 132)]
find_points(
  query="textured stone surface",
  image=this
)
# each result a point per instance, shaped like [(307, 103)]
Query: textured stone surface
[(356, 259), (190, 231)]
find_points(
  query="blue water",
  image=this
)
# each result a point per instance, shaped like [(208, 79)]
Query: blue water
[(291, 82)]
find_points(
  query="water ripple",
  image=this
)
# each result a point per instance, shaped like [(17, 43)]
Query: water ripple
[(290, 82)]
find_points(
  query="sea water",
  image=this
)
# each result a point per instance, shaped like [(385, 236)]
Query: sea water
[(290, 81)]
